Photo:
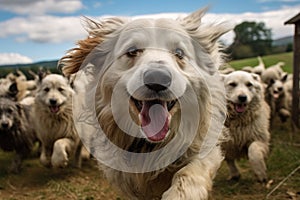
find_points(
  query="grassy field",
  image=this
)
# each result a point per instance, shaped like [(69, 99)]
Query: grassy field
[(88, 183), (268, 60)]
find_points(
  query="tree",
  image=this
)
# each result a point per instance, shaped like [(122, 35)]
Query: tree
[(254, 37)]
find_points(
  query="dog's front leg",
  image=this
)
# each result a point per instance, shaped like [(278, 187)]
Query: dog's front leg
[(257, 152), (61, 150), (45, 157), (16, 164), (194, 181)]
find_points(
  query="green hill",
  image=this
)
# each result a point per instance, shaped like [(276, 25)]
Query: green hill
[(51, 65), (268, 60)]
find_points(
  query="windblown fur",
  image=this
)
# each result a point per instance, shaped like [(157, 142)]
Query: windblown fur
[(123, 50)]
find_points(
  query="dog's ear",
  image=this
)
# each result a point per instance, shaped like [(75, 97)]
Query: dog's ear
[(97, 32), (271, 82), (42, 73), (13, 90), (256, 77), (205, 34), (284, 77), (193, 20)]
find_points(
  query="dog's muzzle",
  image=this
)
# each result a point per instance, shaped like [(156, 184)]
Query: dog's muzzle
[(54, 107), (155, 104)]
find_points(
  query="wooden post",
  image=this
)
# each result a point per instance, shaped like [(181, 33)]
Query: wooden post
[(296, 70)]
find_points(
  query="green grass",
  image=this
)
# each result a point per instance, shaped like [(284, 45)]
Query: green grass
[(37, 182), (268, 60), (284, 157)]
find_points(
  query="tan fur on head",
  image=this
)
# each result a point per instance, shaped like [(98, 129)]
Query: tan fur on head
[(121, 52), (97, 31)]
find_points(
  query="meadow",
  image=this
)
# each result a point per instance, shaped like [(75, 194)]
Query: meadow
[(88, 183), (269, 60)]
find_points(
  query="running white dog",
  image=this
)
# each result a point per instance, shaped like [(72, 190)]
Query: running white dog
[(52, 112), (158, 89), (247, 123)]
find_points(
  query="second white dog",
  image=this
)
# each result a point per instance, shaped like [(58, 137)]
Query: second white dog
[(54, 123), (247, 123)]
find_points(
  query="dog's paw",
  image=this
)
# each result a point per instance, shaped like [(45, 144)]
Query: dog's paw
[(262, 179), (179, 193), (234, 178), (59, 159)]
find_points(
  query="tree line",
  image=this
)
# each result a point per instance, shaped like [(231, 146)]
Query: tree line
[(253, 39)]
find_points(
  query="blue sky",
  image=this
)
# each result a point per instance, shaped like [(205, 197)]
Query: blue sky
[(38, 30)]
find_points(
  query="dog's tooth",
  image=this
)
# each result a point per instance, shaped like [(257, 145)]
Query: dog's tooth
[(140, 118)]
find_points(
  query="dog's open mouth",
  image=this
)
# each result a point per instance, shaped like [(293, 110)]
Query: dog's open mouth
[(155, 117), (240, 107), (54, 109), (276, 94)]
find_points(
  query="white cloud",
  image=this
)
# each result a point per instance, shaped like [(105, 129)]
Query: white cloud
[(43, 29), (54, 29), (39, 7), (272, 19), (13, 58)]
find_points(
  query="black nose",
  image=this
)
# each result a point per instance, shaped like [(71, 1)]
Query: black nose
[(242, 98), (4, 124), (53, 102), (280, 89), (157, 79)]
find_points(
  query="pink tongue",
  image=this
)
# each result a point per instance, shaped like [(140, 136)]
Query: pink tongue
[(240, 108), (154, 118), (276, 95), (54, 109)]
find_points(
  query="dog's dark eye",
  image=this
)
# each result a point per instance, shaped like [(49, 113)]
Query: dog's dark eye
[(46, 89), (233, 84), (60, 89), (9, 111), (133, 52), (179, 53), (249, 84)]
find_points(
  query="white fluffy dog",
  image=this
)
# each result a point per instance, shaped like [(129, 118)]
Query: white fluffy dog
[(52, 111), (247, 123), (158, 94)]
